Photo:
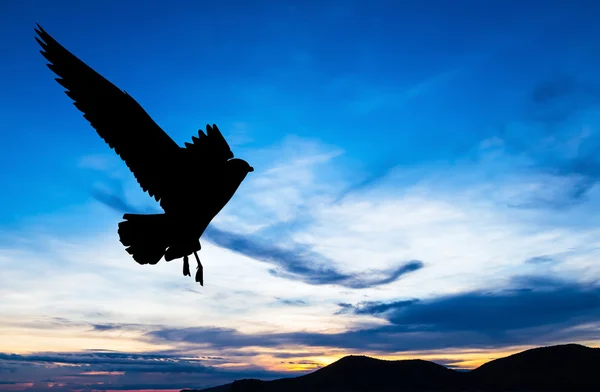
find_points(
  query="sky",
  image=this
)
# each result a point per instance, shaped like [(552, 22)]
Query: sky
[(425, 186)]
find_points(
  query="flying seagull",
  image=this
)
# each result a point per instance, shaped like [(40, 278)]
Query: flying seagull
[(192, 183)]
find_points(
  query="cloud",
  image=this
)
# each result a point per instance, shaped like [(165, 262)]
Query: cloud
[(297, 263), (113, 197), (69, 371), (305, 265), (119, 327), (292, 302), (114, 361), (533, 311), (559, 170), (553, 144), (361, 250), (541, 260), (114, 202), (533, 302)]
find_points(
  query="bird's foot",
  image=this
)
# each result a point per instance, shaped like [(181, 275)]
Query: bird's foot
[(199, 271), (186, 267)]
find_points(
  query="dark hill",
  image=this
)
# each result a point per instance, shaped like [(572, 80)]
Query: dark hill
[(221, 388), (362, 373), (561, 368)]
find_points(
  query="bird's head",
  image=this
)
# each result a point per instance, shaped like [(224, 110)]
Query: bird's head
[(240, 166), (238, 169)]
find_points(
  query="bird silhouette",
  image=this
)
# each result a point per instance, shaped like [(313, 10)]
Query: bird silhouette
[(192, 183)]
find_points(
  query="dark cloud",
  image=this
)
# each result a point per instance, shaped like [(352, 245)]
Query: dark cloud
[(299, 263), (303, 264), (527, 307), (70, 371), (120, 326), (344, 308), (534, 311), (315, 365), (292, 302), (376, 308), (115, 361), (541, 260), (104, 327), (113, 197)]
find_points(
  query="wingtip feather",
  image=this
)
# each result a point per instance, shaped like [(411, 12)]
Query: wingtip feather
[(38, 29), (41, 43), (41, 32)]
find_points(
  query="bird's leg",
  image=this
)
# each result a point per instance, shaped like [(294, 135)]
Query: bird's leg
[(199, 272), (186, 266)]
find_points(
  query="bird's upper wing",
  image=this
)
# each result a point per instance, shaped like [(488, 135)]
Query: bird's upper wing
[(124, 125), (210, 148)]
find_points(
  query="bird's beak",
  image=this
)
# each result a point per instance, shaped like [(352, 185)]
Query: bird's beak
[(251, 169)]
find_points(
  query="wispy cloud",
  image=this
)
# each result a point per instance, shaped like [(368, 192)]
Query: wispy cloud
[(541, 260), (394, 261), (118, 370), (297, 262), (306, 265), (556, 141), (534, 311)]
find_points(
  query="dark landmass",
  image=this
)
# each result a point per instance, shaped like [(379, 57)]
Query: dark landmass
[(221, 388), (562, 368)]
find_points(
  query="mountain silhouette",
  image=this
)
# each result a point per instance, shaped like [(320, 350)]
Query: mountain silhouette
[(192, 183), (569, 367)]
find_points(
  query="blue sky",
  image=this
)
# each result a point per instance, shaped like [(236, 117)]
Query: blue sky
[(425, 185)]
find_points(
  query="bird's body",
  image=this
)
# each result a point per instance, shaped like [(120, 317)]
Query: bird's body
[(192, 183)]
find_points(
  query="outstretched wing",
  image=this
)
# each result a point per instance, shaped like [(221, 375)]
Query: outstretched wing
[(210, 149), (124, 125)]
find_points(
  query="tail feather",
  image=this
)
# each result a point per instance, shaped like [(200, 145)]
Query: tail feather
[(145, 236)]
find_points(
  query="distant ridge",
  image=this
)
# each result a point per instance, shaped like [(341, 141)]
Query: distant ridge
[(569, 367), (561, 368), (221, 388)]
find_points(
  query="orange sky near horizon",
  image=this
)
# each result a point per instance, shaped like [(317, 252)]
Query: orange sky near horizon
[(74, 339), (460, 358), (305, 362)]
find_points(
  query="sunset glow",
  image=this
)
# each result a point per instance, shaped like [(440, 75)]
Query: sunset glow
[(425, 187)]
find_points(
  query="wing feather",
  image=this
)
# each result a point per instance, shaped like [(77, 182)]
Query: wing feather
[(210, 148), (120, 120)]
